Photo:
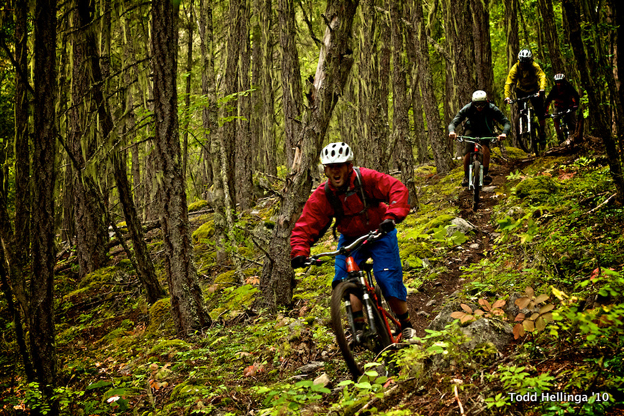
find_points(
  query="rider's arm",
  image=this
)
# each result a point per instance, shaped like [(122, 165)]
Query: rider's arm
[(389, 189), (314, 219), (575, 94), (511, 80)]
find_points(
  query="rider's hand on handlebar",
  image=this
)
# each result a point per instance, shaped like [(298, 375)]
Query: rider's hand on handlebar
[(501, 137), (387, 225), (452, 135), (298, 262), (507, 100)]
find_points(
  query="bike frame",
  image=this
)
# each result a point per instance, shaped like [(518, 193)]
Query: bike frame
[(364, 281)]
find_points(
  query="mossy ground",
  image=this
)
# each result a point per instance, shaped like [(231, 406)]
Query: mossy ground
[(537, 229)]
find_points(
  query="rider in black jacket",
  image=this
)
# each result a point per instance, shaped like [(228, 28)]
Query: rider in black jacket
[(480, 115), (565, 96)]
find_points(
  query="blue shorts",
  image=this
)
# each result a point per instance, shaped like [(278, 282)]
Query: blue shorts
[(386, 264)]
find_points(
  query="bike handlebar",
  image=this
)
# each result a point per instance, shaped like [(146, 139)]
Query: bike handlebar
[(560, 113), (346, 250), (528, 97), (467, 139)]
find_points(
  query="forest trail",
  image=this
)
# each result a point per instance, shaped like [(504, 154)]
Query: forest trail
[(425, 303)]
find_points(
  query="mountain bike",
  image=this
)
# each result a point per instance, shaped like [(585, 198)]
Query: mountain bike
[(527, 135), (560, 116), (381, 327), (475, 168)]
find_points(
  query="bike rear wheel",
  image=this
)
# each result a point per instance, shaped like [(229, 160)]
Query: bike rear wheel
[(356, 353), (476, 184)]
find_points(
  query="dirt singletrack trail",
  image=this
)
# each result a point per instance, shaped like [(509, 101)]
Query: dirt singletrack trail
[(425, 303)]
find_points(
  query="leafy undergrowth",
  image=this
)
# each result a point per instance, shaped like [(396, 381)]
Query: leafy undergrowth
[(543, 227)]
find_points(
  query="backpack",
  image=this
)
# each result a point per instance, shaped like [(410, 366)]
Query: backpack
[(336, 204)]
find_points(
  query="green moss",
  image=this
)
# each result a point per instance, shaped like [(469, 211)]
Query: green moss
[(425, 170), (101, 275), (197, 205), (160, 317), (537, 187), (512, 152), (439, 221), (169, 346), (226, 279), (204, 232)]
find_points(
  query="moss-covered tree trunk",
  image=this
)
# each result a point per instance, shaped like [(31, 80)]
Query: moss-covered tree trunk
[(41, 312), (187, 304), (335, 61), (244, 147), (437, 139), (551, 34), (401, 104), (268, 119), (513, 47), (292, 91), (482, 46)]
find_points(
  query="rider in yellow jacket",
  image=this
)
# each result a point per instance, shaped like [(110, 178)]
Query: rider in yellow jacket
[(529, 78)]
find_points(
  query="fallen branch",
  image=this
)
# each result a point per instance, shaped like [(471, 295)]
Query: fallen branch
[(606, 201)]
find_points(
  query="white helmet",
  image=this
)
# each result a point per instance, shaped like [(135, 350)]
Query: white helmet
[(559, 77), (525, 55), (336, 153), (479, 95)]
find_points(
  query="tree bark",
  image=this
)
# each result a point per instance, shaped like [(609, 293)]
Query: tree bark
[(513, 47), (187, 308), (439, 144), (600, 128), (373, 122), (552, 35), (244, 147), (268, 120), (335, 61), (482, 46), (41, 313), (228, 130), (187, 97), (292, 92), (91, 230), (405, 155)]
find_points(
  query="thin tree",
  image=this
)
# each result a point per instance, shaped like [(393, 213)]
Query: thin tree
[(335, 62), (482, 46), (187, 307), (513, 47), (244, 148), (551, 34)]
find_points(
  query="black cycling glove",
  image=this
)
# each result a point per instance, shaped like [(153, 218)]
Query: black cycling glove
[(387, 225), (298, 262)]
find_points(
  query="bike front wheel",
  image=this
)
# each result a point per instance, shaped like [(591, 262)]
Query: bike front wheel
[(476, 170), (361, 348)]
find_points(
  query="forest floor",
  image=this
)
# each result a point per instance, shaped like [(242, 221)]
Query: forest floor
[(545, 223)]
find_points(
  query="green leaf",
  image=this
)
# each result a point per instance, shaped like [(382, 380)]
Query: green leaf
[(98, 384), (364, 385)]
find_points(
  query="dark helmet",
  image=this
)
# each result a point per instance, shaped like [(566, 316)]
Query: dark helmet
[(525, 55)]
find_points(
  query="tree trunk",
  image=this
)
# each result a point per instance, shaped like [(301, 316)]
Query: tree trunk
[(187, 307), (600, 128), (292, 92), (551, 34), (228, 133), (244, 147), (91, 231), (335, 61), (483, 46), (41, 313), (405, 155), (439, 144), (268, 120), (257, 80), (372, 120), (187, 98), (513, 47)]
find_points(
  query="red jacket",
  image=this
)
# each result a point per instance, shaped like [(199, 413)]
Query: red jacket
[(318, 212)]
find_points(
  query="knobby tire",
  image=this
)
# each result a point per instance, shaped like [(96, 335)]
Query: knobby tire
[(476, 174), (354, 355)]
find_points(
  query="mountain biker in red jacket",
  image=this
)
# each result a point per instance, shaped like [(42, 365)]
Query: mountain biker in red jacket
[(564, 96), (386, 204)]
